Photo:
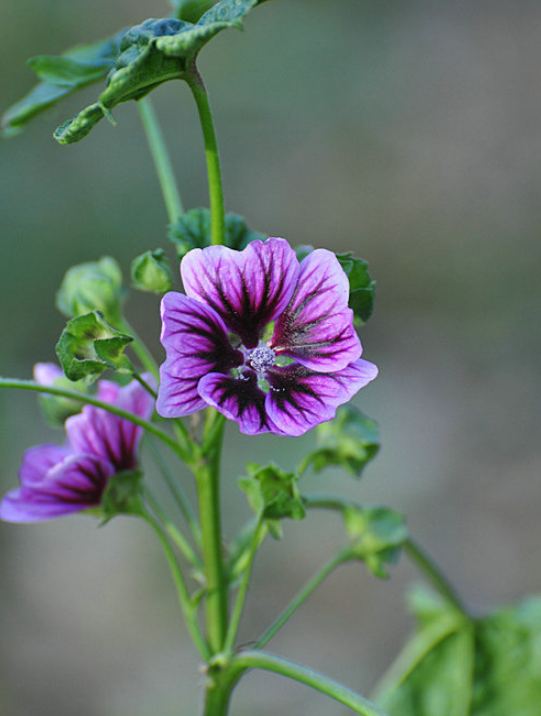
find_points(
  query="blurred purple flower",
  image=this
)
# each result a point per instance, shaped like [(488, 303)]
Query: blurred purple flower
[(265, 340), (58, 480)]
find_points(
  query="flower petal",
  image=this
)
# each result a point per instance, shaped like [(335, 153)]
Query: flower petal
[(248, 288), (77, 483), (47, 373), (300, 398), (97, 432), (316, 328), (196, 343), (239, 399), (38, 460)]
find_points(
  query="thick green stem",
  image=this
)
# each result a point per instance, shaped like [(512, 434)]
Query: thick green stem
[(270, 662), (434, 574), (302, 596), (207, 474), (162, 162), (217, 209), (182, 592), (109, 407)]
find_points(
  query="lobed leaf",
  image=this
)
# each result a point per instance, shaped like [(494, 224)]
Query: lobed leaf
[(89, 345), (362, 290), (192, 231), (350, 440)]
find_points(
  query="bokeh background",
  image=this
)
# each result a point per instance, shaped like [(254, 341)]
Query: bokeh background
[(407, 132)]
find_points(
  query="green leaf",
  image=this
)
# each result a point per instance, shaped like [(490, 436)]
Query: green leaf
[(89, 345), (152, 53), (123, 496), (377, 535), (362, 289), (273, 494), (151, 272), (453, 666), (192, 231), (350, 440), (62, 76), (191, 10)]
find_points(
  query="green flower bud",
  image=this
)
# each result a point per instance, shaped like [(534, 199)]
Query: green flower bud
[(151, 272), (96, 285)]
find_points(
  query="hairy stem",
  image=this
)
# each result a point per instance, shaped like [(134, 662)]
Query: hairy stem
[(109, 407), (302, 596), (323, 684), (162, 161), (216, 197), (182, 592)]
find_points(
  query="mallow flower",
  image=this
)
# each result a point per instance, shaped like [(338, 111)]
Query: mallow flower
[(266, 340), (58, 480)]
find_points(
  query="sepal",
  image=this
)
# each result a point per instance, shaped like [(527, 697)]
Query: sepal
[(273, 494), (89, 345), (123, 495), (92, 286), (151, 272), (192, 231), (349, 441), (362, 290)]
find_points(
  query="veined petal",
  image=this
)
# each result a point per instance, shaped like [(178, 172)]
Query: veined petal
[(77, 483), (239, 399), (248, 288), (316, 328), (300, 399), (38, 460), (97, 432), (196, 343)]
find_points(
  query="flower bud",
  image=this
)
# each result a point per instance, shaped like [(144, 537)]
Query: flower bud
[(96, 285), (151, 272)]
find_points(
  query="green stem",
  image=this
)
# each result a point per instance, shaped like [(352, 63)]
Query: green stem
[(411, 547), (139, 348), (178, 493), (323, 684), (216, 197), (434, 574), (340, 558), (171, 529), (243, 589), (162, 161), (207, 474), (109, 407), (184, 597)]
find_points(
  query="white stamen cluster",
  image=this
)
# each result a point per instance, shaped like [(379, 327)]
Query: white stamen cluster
[(262, 358)]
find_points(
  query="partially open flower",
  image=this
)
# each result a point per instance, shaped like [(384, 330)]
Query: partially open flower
[(58, 480), (264, 339)]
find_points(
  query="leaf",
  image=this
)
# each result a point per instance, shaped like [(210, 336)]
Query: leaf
[(62, 76), (191, 10), (151, 272), (454, 666), (273, 494), (362, 289), (89, 345), (152, 53), (377, 535), (350, 440), (192, 231)]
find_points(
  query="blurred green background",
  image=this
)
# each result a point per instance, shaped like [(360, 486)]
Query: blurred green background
[(407, 132)]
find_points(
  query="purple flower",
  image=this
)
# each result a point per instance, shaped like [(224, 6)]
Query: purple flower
[(58, 480), (263, 339)]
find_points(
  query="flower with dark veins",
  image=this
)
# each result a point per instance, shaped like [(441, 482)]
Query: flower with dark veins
[(264, 339), (59, 480)]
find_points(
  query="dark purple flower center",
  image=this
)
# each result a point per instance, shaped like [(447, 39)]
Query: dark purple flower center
[(262, 358)]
